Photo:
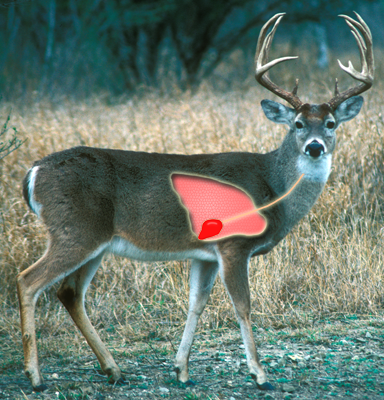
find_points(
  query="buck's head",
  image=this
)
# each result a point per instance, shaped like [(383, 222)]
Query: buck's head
[(313, 126)]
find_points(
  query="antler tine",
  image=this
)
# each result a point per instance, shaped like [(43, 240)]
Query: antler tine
[(368, 36), (363, 36), (336, 87), (262, 65), (264, 45), (362, 47), (263, 33), (268, 41), (360, 40)]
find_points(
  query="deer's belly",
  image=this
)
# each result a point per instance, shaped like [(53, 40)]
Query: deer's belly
[(124, 248)]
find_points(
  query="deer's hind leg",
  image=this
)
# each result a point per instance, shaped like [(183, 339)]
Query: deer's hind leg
[(55, 264), (72, 293)]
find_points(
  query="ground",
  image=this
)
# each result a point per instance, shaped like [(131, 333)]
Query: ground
[(331, 360)]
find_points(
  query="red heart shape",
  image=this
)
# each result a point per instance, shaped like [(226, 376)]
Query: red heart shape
[(210, 228)]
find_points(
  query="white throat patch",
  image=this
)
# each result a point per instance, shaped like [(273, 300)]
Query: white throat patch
[(317, 170)]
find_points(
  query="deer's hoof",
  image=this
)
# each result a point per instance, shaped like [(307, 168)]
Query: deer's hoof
[(117, 382), (265, 386), (40, 388)]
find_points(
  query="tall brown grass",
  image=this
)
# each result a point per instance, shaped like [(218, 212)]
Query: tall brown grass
[(330, 265)]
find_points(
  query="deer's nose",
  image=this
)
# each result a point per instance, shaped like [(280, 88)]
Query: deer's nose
[(314, 149)]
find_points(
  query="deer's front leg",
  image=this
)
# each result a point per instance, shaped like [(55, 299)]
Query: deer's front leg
[(202, 277), (234, 273)]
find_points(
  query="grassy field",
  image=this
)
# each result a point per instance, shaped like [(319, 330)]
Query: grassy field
[(330, 268)]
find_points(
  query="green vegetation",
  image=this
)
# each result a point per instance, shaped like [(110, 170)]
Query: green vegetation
[(9, 144)]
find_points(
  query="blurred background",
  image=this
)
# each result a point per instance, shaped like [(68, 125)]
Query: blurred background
[(81, 48)]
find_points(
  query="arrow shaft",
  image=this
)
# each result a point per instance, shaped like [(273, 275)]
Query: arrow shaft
[(266, 206)]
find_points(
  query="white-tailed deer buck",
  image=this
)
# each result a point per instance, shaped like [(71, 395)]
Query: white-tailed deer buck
[(97, 201)]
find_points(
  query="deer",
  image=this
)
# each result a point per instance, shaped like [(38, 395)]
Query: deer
[(95, 201)]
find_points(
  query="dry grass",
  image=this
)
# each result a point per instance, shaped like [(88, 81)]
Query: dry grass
[(330, 265)]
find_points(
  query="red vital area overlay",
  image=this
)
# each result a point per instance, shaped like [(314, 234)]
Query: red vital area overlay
[(207, 198)]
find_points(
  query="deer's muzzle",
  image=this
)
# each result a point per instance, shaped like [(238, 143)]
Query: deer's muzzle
[(314, 149)]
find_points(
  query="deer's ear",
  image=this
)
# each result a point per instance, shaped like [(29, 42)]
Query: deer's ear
[(277, 112), (348, 109)]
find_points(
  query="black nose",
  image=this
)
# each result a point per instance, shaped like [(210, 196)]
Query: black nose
[(314, 149)]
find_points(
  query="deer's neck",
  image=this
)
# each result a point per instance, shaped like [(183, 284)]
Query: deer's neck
[(286, 167)]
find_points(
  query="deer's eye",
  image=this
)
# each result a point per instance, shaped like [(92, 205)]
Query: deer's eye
[(330, 124), (299, 125)]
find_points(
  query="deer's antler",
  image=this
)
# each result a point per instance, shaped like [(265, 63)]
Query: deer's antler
[(363, 38), (262, 65)]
